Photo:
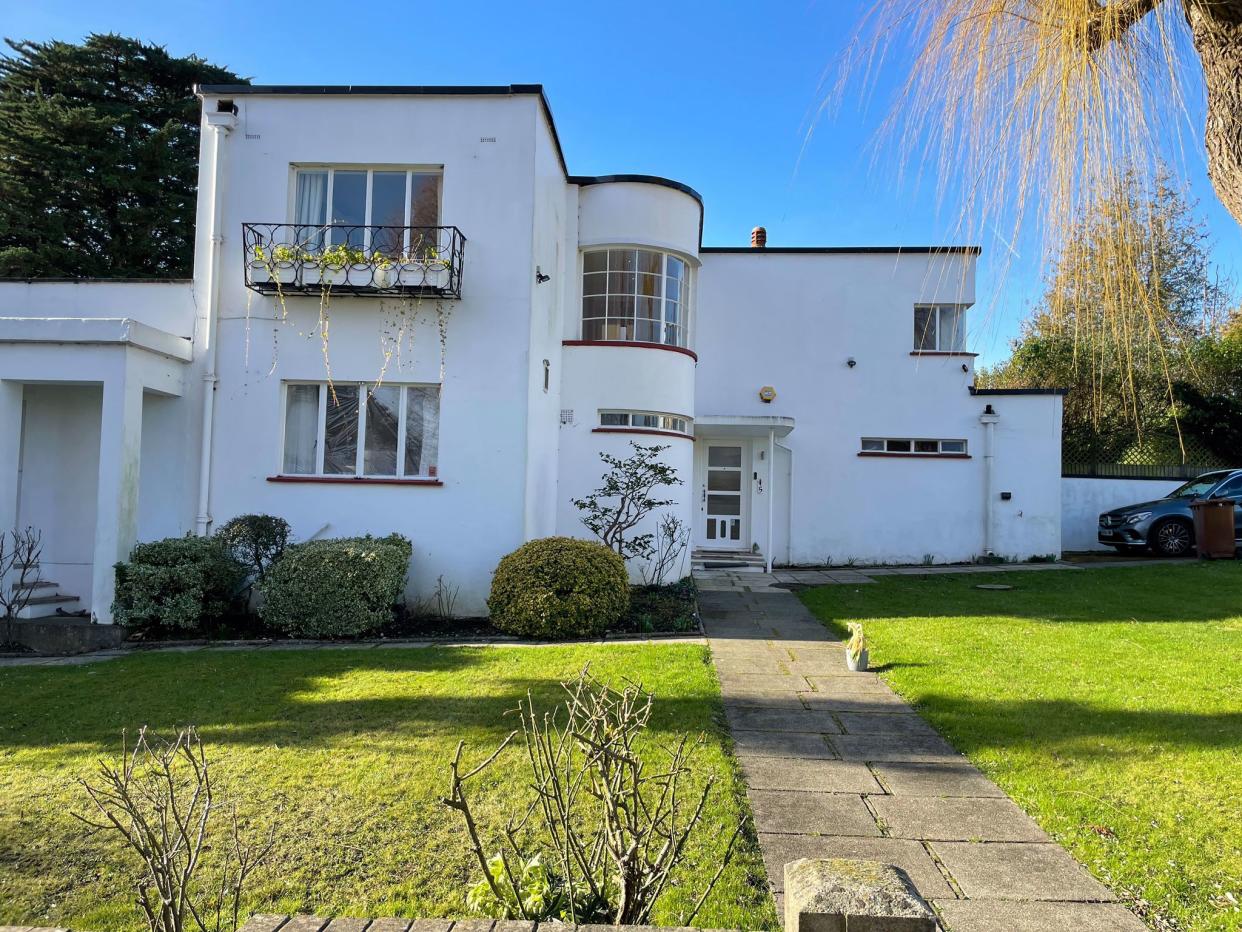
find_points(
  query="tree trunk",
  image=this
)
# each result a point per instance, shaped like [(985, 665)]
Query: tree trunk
[(1216, 29)]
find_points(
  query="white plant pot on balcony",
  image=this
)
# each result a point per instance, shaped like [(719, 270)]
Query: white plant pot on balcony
[(284, 273), (326, 277), (424, 275), (383, 276)]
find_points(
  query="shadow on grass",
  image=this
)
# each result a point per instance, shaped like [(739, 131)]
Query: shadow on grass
[(310, 698), (1087, 730)]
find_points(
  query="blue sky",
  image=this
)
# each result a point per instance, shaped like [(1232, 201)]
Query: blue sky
[(718, 95)]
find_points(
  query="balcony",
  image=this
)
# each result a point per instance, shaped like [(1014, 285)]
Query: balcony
[(374, 261)]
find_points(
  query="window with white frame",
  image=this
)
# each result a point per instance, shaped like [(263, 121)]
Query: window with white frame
[(393, 198), (646, 420), (635, 294), (939, 328), (908, 446), (361, 429)]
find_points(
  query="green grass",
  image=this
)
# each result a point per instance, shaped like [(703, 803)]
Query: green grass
[(1106, 702), (347, 752)]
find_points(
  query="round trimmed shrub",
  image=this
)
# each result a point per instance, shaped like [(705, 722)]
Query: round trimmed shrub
[(336, 587), (559, 587), (178, 582)]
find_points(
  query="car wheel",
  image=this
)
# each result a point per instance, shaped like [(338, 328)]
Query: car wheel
[(1173, 538)]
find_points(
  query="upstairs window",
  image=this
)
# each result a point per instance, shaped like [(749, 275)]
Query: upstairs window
[(939, 328), (365, 197), (361, 429), (636, 295)]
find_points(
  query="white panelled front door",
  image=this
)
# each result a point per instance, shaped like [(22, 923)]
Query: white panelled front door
[(723, 496)]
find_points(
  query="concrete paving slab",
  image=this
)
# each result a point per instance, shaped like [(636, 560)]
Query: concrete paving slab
[(815, 776), (883, 723), (782, 744), (994, 916), (957, 778), (787, 812), (910, 856), (895, 748), (761, 719), (958, 819), (1018, 871), (859, 700)]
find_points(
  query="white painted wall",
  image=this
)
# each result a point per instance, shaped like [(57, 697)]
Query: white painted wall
[(638, 214), (167, 305), (626, 377), (792, 321), (1084, 500), (489, 497)]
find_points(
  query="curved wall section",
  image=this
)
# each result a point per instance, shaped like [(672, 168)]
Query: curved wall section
[(621, 377), (639, 213)]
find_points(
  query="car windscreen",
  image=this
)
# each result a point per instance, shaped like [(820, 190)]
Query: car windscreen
[(1199, 486)]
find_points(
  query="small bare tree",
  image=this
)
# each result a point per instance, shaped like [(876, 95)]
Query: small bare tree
[(161, 801), (626, 497), (672, 539), (614, 828), (19, 573)]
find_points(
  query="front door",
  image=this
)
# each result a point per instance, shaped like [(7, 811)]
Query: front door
[(722, 497)]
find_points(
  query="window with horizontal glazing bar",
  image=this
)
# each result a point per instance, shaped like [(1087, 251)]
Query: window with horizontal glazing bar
[(391, 198), (646, 420), (361, 429), (639, 295), (906, 446)]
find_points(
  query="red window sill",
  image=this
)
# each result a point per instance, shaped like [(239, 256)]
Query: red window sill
[(942, 353), (640, 430), (918, 456), (634, 343), (355, 480)]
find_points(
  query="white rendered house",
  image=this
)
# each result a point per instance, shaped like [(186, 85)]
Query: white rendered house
[(518, 320)]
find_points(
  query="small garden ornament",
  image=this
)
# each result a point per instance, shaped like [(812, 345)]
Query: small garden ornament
[(856, 649)]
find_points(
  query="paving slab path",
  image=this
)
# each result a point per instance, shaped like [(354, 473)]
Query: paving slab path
[(838, 765)]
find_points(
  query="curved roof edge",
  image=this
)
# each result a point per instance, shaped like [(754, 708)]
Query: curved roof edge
[(586, 180)]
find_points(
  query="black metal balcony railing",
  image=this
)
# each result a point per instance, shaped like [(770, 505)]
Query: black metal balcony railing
[(292, 258)]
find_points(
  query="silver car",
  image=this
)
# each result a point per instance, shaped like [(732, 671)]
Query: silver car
[(1166, 525)]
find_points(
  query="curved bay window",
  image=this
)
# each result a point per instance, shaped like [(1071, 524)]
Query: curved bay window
[(638, 295)]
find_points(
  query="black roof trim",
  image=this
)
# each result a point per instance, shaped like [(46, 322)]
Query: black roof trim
[(94, 280), (586, 180), (374, 90), (842, 250), (1018, 391)]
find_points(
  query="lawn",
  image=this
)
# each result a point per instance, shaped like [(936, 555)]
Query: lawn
[(1106, 702), (347, 752)]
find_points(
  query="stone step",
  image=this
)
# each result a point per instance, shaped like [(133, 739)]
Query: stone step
[(40, 584), (45, 606)]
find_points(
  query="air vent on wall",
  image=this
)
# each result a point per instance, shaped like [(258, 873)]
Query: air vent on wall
[(567, 415)]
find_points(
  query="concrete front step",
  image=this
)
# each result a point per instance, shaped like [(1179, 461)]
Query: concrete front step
[(40, 584), (46, 606), (738, 560)]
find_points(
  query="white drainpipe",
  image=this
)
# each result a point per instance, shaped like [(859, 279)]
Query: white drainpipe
[(220, 123), (771, 493), (988, 419)]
